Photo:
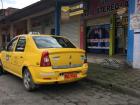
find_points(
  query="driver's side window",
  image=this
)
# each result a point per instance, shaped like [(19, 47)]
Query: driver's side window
[(11, 45)]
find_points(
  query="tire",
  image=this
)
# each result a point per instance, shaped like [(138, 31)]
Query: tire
[(28, 81), (4, 71), (1, 68), (1, 71)]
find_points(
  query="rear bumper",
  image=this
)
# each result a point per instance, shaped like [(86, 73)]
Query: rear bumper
[(49, 76), (57, 80)]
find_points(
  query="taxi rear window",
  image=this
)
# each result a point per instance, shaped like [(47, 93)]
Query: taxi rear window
[(52, 42)]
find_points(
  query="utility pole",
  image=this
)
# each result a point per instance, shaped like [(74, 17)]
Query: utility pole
[(57, 17)]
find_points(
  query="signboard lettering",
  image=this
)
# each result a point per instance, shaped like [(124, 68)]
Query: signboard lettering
[(101, 7), (73, 10)]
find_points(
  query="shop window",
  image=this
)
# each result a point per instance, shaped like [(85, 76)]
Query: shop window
[(8, 38), (52, 31), (3, 38)]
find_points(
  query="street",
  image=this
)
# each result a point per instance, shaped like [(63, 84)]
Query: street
[(59, 41), (12, 92)]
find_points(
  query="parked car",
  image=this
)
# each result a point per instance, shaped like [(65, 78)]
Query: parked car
[(43, 59)]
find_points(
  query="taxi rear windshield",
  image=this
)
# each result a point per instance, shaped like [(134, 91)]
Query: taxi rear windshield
[(52, 42)]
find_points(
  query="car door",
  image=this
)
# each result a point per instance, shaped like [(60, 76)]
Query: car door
[(19, 55), (8, 55)]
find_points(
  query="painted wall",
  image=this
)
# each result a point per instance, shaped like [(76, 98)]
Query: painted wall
[(133, 55), (136, 54), (135, 26)]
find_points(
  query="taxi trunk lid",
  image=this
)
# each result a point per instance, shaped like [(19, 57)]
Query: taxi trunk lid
[(63, 58)]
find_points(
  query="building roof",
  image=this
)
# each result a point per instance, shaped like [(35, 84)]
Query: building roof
[(31, 9), (35, 8)]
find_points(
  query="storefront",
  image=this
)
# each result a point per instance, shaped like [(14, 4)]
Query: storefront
[(70, 22), (43, 24), (106, 27), (71, 30)]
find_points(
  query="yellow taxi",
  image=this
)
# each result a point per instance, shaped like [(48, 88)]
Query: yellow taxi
[(43, 59)]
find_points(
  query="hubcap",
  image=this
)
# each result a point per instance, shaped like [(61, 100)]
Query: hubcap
[(27, 80)]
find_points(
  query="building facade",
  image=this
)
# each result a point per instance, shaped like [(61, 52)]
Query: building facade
[(6, 12), (107, 27), (114, 28), (133, 55), (37, 17)]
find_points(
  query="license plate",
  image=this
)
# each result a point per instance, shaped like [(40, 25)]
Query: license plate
[(70, 75)]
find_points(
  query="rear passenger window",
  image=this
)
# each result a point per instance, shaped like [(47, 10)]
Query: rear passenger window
[(21, 44), (52, 42)]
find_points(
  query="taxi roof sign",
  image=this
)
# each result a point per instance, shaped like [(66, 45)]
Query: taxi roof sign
[(34, 33)]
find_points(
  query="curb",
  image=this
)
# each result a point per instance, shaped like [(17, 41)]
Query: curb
[(120, 89)]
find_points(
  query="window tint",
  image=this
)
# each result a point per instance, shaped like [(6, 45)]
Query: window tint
[(21, 44), (11, 45), (52, 42)]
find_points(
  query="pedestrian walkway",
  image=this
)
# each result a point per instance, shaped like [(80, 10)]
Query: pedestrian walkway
[(124, 78), (115, 62)]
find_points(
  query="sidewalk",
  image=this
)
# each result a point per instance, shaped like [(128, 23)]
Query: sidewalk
[(123, 80), (97, 58)]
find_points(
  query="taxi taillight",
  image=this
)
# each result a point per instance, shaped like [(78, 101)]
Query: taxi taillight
[(45, 60)]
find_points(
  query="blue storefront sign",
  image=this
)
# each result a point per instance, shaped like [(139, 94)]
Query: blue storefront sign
[(98, 38)]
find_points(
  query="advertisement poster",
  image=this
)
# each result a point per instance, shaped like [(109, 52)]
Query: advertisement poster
[(137, 7), (135, 18), (98, 38)]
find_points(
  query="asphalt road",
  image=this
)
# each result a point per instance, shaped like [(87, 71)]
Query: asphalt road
[(12, 92)]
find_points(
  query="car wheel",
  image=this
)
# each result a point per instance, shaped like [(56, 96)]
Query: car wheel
[(1, 70), (28, 81), (4, 71)]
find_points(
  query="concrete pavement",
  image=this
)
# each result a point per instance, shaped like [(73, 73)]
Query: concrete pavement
[(124, 80), (12, 92)]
